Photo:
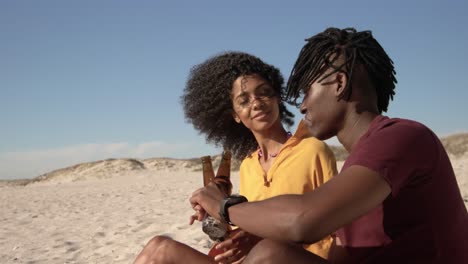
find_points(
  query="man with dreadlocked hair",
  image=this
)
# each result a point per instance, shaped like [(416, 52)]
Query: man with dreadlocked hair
[(396, 199), (236, 100)]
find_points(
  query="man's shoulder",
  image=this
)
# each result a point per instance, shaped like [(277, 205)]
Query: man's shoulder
[(397, 136), (401, 126)]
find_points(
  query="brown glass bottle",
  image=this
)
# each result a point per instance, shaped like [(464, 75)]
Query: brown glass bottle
[(223, 175), (208, 172), (215, 229)]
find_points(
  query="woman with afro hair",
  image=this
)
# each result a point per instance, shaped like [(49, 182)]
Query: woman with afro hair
[(235, 100)]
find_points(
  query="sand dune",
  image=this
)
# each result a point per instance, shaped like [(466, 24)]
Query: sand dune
[(105, 211)]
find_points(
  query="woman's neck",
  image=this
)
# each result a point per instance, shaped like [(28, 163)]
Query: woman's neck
[(271, 143)]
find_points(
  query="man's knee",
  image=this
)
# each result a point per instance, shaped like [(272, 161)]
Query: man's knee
[(266, 251), (269, 251)]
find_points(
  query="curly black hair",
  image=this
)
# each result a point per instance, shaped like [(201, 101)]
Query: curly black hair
[(207, 99), (324, 49)]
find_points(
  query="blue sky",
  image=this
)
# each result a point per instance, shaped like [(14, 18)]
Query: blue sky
[(89, 80)]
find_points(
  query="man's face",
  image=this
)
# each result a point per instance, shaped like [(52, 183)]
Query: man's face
[(321, 108)]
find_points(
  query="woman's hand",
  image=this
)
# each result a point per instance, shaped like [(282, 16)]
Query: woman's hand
[(235, 248)]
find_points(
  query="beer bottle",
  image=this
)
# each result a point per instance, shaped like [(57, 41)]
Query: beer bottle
[(208, 172), (223, 175), (215, 229)]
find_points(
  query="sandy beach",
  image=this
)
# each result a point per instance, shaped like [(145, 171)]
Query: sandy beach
[(99, 214), (105, 212)]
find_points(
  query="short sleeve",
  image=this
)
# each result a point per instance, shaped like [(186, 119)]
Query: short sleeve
[(400, 151)]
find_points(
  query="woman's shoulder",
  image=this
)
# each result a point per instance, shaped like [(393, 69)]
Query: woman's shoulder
[(249, 160), (313, 144)]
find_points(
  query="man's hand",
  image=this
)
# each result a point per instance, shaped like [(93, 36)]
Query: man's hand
[(199, 214), (206, 199)]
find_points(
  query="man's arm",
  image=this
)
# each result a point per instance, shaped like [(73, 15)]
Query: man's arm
[(307, 218)]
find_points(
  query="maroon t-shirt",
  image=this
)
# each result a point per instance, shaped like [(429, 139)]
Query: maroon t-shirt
[(424, 219)]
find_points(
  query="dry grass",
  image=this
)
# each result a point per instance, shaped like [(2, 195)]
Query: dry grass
[(456, 144)]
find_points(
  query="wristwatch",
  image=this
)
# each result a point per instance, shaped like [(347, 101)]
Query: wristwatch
[(228, 202)]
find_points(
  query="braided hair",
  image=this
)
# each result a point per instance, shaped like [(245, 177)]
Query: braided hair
[(207, 103), (325, 50)]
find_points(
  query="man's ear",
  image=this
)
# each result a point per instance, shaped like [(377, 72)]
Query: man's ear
[(341, 83)]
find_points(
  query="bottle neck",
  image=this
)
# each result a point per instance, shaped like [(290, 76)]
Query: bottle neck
[(208, 172)]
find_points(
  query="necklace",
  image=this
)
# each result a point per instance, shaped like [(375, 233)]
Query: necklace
[(260, 152)]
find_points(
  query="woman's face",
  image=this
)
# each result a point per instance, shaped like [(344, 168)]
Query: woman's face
[(255, 102)]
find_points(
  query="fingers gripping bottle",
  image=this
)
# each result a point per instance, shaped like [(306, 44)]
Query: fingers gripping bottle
[(215, 229)]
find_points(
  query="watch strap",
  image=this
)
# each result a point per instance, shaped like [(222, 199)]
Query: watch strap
[(228, 202)]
